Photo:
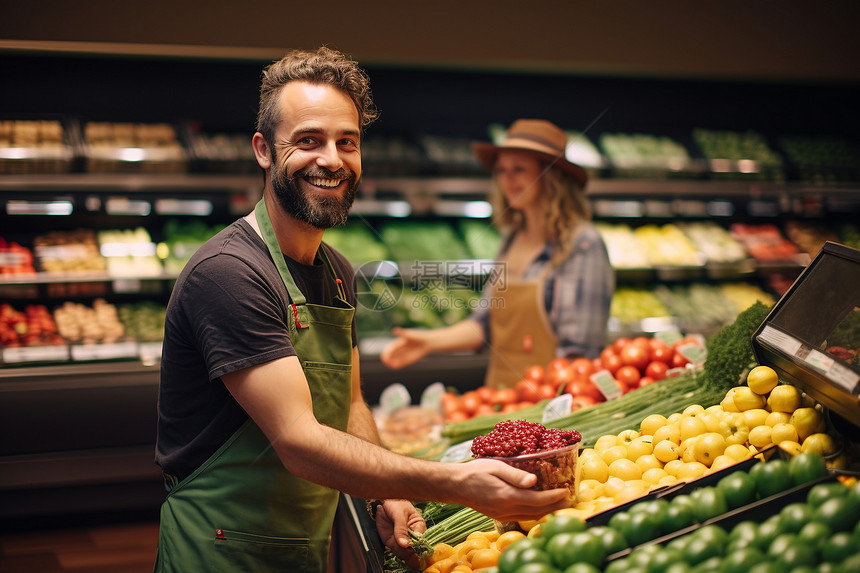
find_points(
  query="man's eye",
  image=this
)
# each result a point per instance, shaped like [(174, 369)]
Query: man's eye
[(349, 143), (306, 141)]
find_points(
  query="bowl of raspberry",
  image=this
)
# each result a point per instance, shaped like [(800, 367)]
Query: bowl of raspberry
[(549, 453)]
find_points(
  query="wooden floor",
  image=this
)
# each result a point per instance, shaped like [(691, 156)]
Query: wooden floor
[(118, 548)]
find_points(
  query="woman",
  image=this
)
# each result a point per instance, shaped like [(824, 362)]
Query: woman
[(552, 295)]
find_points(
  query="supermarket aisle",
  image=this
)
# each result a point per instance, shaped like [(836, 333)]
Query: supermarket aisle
[(119, 548)]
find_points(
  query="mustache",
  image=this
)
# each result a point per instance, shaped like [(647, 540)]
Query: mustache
[(317, 171)]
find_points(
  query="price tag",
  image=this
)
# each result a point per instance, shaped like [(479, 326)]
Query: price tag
[(105, 351), (431, 397), (556, 408), (149, 352), (668, 337), (394, 397), (458, 452), (606, 383), (693, 351), (58, 353)]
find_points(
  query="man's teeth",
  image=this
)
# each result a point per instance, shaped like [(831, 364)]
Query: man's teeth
[(322, 182)]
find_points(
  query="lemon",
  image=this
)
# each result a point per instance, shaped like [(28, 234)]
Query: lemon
[(784, 398), (755, 417), (634, 489), (624, 469), (614, 453), (691, 426), (693, 410), (762, 379), (722, 462), (672, 467), (819, 443), (603, 443), (708, 447), (654, 475), (639, 447), (594, 468), (671, 432), (775, 418), (737, 452), (745, 399), (651, 423), (807, 421), (783, 432), (666, 451), (647, 462), (589, 489), (791, 448), (691, 470)]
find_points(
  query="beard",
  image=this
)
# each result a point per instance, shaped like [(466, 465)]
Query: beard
[(321, 212)]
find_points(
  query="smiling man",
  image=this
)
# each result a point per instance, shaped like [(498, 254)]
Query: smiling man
[(261, 419)]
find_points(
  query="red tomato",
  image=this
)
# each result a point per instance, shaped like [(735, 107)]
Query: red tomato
[(635, 355), (598, 364), (449, 403), (485, 393), (645, 380), (582, 402), (678, 360), (643, 341), (619, 344), (457, 416), (583, 387), (661, 351), (485, 409), (561, 377), (469, 402), (612, 363), (557, 363), (687, 340), (606, 352), (506, 396), (535, 373), (528, 390), (582, 366), (656, 370), (509, 408), (524, 404), (546, 392), (628, 375)]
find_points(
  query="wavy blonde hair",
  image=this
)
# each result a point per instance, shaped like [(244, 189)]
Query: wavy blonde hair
[(565, 207)]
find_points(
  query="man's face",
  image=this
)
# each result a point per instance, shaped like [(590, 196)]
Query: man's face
[(316, 163)]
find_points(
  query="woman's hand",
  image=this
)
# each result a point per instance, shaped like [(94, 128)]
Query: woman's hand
[(410, 346), (394, 519)]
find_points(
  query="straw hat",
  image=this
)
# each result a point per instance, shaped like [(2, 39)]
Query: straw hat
[(536, 135)]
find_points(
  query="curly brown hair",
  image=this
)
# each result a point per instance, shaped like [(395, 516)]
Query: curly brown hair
[(321, 66), (564, 203)]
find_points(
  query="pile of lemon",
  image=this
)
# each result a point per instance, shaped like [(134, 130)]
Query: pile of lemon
[(689, 444)]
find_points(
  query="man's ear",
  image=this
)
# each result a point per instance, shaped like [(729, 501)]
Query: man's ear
[(261, 150)]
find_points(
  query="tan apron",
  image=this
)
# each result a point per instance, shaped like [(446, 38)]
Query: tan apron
[(520, 331)]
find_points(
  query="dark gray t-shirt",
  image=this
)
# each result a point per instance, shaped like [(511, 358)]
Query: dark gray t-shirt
[(227, 312)]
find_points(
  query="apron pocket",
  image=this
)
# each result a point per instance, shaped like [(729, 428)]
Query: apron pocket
[(330, 366), (251, 552)]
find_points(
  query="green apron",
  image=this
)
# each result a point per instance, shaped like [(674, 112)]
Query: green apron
[(242, 511)]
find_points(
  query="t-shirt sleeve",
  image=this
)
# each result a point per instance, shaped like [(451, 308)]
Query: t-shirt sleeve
[(238, 317)]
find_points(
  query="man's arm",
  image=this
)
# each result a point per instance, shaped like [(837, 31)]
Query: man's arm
[(277, 397), (361, 422)]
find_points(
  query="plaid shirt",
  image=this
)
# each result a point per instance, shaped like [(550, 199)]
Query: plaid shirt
[(577, 294)]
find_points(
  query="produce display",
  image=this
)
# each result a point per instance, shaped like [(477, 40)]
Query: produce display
[(143, 321), (481, 238), (98, 323), (667, 245), (34, 146), (15, 259), (423, 241), (357, 242), (133, 147), (717, 244), (181, 239), (68, 252), (765, 242), (34, 326), (129, 252), (642, 151), (736, 154), (822, 159)]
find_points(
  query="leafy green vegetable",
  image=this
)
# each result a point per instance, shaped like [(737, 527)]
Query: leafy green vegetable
[(730, 352)]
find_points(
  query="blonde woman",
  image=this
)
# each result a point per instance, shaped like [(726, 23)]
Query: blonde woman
[(551, 293)]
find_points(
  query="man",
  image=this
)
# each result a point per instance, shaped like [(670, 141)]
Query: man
[(261, 415)]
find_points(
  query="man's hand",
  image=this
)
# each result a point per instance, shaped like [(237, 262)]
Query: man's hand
[(394, 519)]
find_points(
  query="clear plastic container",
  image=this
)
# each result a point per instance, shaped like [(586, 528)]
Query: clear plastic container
[(554, 468)]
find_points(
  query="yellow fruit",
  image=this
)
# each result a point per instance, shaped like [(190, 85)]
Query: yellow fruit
[(603, 443), (627, 436), (615, 453), (647, 462), (673, 466), (625, 469), (508, 537), (791, 448), (671, 432), (527, 524), (760, 436), (722, 462), (589, 489), (708, 447), (693, 410), (737, 452), (715, 409), (762, 379), (691, 470), (666, 451), (691, 426), (755, 417), (651, 423), (668, 480), (634, 489), (745, 399), (784, 398), (687, 449), (594, 468), (441, 551), (839, 462), (488, 557), (639, 447), (613, 485), (673, 418), (712, 421), (819, 443), (783, 432), (734, 428), (775, 418), (654, 475), (807, 421)]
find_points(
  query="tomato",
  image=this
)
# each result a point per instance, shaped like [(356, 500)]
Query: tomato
[(582, 367), (678, 360), (506, 396), (645, 381), (738, 489), (797, 556), (581, 401), (469, 402), (597, 364), (485, 393), (628, 375), (510, 558), (556, 364), (545, 392), (527, 389), (560, 376), (619, 343), (708, 502), (700, 549), (813, 533), (806, 467), (661, 351), (767, 532), (484, 409), (611, 362), (535, 373), (641, 527), (771, 477), (656, 369), (635, 355)]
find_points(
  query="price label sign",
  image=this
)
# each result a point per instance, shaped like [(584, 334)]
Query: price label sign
[(19, 354), (556, 408), (606, 383), (394, 397), (693, 351), (105, 351), (668, 337), (461, 452), (431, 397)]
